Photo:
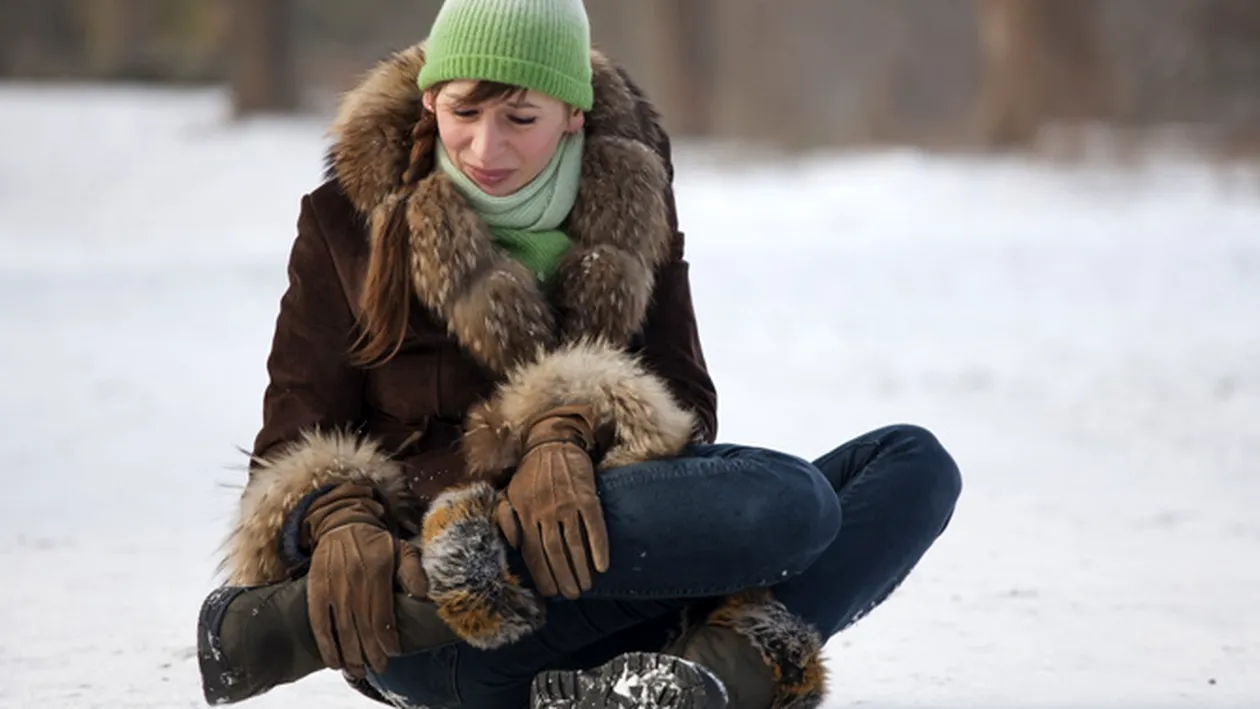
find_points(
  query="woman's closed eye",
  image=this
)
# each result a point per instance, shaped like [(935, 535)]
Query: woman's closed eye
[(471, 114)]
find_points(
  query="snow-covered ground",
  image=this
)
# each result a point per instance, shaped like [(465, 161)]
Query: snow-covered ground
[(1086, 342)]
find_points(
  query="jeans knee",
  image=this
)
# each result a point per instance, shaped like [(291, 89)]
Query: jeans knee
[(936, 476), (793, 515)]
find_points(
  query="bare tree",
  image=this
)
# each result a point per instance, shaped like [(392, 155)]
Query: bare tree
[(262, 63)]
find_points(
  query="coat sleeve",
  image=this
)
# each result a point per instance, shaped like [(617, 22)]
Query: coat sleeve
[(311, 406), (311, 383), (671, 335)]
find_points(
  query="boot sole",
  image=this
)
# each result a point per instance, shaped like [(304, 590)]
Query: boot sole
[(630, 681), (217, 679)]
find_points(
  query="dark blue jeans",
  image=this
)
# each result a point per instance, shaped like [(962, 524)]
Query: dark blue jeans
[(833, 538)]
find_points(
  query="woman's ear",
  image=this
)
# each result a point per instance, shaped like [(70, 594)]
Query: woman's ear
[(430, 101), (577, 119)]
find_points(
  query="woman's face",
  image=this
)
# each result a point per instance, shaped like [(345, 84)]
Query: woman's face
[(504, 143)]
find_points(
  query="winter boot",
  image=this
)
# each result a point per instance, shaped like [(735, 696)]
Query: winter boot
[(630, 681), (765, 657), (252, 639)]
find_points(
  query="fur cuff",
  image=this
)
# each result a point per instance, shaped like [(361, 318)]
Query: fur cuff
[(466, 560), (791, 647), (279, 483), (646, 422)]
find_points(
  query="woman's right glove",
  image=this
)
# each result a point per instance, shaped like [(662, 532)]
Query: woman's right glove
[(551, 500), (350, 586)]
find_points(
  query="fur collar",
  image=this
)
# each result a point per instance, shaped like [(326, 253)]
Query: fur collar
[(489, 302)]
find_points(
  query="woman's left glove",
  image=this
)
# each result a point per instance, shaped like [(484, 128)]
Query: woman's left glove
[(355, 562), (552, 507)]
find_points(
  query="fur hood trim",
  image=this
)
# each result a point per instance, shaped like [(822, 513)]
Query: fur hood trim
[(278, 483), (491, 304)]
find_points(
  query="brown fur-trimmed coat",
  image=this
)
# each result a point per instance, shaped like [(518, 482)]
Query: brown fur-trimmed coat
[(485, 350)]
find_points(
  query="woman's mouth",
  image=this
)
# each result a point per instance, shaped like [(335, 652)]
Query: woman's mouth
[(488, 178)]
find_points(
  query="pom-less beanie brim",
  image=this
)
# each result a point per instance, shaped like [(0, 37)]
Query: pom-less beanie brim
[(543, 45)]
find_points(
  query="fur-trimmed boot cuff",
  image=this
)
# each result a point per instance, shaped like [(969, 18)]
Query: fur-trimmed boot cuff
[(465, 557), (765, 655), (279, 483)]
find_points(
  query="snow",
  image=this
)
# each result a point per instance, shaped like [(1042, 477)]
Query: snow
[(1085, 340)]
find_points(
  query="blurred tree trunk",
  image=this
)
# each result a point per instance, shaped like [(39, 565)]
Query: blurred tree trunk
[(1229, 69), (40, 39), (115, 36), (1042, 61), (1076, 64), (755, 91), (13, 25), (263, 74), (680, 45)]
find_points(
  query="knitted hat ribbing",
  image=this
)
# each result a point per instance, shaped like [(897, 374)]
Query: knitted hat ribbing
[(544, 45)]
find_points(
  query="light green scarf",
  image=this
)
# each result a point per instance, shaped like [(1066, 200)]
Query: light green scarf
[(525, 223)]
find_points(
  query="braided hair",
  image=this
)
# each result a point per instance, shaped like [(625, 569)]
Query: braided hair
[(385, 304)]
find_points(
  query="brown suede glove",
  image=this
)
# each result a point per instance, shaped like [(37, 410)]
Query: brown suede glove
[(551, 500), (350, 585)]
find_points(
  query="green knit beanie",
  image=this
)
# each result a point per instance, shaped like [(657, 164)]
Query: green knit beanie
[(544, 45)]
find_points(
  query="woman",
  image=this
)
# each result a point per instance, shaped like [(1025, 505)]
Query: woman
[(486, 474)]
